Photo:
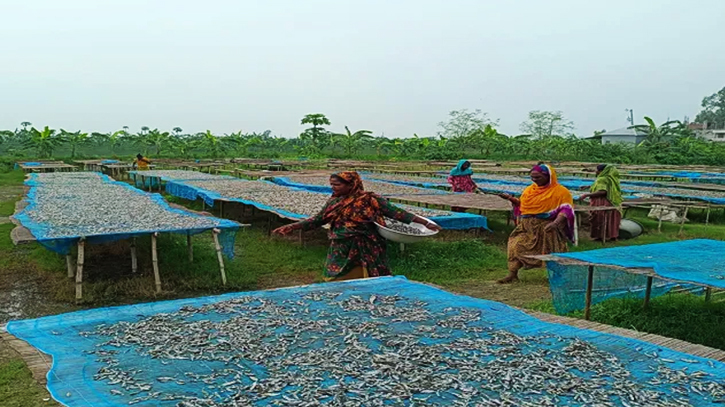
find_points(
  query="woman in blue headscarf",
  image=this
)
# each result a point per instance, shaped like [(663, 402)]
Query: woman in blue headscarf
[(461, 181)]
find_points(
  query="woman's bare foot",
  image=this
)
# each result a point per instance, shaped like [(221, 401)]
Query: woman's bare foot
[(509, 279)]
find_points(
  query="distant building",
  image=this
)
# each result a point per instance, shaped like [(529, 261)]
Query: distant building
[(623, 135), (701, 130)]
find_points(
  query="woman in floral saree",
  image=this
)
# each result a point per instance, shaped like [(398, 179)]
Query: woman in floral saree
[(546, 221), (356, 248)]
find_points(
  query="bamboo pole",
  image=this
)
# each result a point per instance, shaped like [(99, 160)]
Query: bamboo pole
[(215, 234), (79, 270), (708, 294), (588, 298), (190, 247), (155, 261), (648, 292), (69, 265), (684, 218), (134, 259)]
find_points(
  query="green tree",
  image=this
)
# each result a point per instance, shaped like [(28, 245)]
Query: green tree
[(352, 142), (26, 125), (43, 141), (655, 135), (487, 139), (713, 110), (74, 140), (543, 123), (153, 138), (316, 138), (210, 143), (177, 131)]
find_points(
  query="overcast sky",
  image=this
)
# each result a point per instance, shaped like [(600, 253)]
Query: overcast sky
[(391, 66)]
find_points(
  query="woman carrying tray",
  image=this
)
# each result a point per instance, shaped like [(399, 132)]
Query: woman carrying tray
[(356, 248), (546, 221)]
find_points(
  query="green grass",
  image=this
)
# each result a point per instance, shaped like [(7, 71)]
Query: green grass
[(18, 388), (683, 316)]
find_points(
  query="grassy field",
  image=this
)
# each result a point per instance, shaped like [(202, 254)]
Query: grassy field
[(33, 280)]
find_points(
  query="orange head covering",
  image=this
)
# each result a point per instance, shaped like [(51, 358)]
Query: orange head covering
[(537, 200)]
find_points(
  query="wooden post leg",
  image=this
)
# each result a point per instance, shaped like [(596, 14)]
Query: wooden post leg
[(588, 298), (215, 234), (155, 261), (301, 237), (684, 218), (604, 227), (190, 248), (708, 294), (134, 260), (659, 224), (707, 217), (648, 292), (402, 247), (221, 209), (576, 230), (79, 269), (69, 265)]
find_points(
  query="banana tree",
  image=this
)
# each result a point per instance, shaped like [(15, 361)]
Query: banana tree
[(74, 140), (352, 142), (157, 139), (210, 143), (43, 141)]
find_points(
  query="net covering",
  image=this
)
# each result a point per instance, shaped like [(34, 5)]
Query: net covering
[(697, 261), (373, 342)]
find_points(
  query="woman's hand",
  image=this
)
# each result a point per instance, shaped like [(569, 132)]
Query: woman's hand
[(552, 226), (284, 230), (505, 196), (583, 197)]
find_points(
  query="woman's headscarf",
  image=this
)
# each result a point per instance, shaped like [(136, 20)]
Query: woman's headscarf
[(608, 180), (536, 200), (458, 170), (357, 206)]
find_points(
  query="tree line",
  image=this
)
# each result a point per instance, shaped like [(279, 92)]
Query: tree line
[(546, 135)]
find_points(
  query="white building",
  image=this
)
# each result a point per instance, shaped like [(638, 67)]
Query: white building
[(712, 135), (623, 135)]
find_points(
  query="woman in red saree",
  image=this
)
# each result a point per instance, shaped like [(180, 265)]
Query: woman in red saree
[(356, 248)]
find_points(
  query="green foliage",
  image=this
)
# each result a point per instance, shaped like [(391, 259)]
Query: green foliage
[(543, 123), (43, 141), (352, 142), (74, 140), (713, 110)]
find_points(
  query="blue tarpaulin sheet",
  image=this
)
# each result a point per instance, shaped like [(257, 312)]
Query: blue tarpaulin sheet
[(431, 319), (697, 261)]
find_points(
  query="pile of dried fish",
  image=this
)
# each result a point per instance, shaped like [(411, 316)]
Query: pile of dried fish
[(311, 203), (68, 205), (234, 187), (328, 348), (178, 174), (403, 228), (382, 188)]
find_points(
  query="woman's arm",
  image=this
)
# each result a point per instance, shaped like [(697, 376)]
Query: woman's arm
[(314, 222), (598, 194), (560, 219), (391, 211), (514, 201)]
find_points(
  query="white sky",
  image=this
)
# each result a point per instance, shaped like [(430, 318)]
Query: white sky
[(393, 66)]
